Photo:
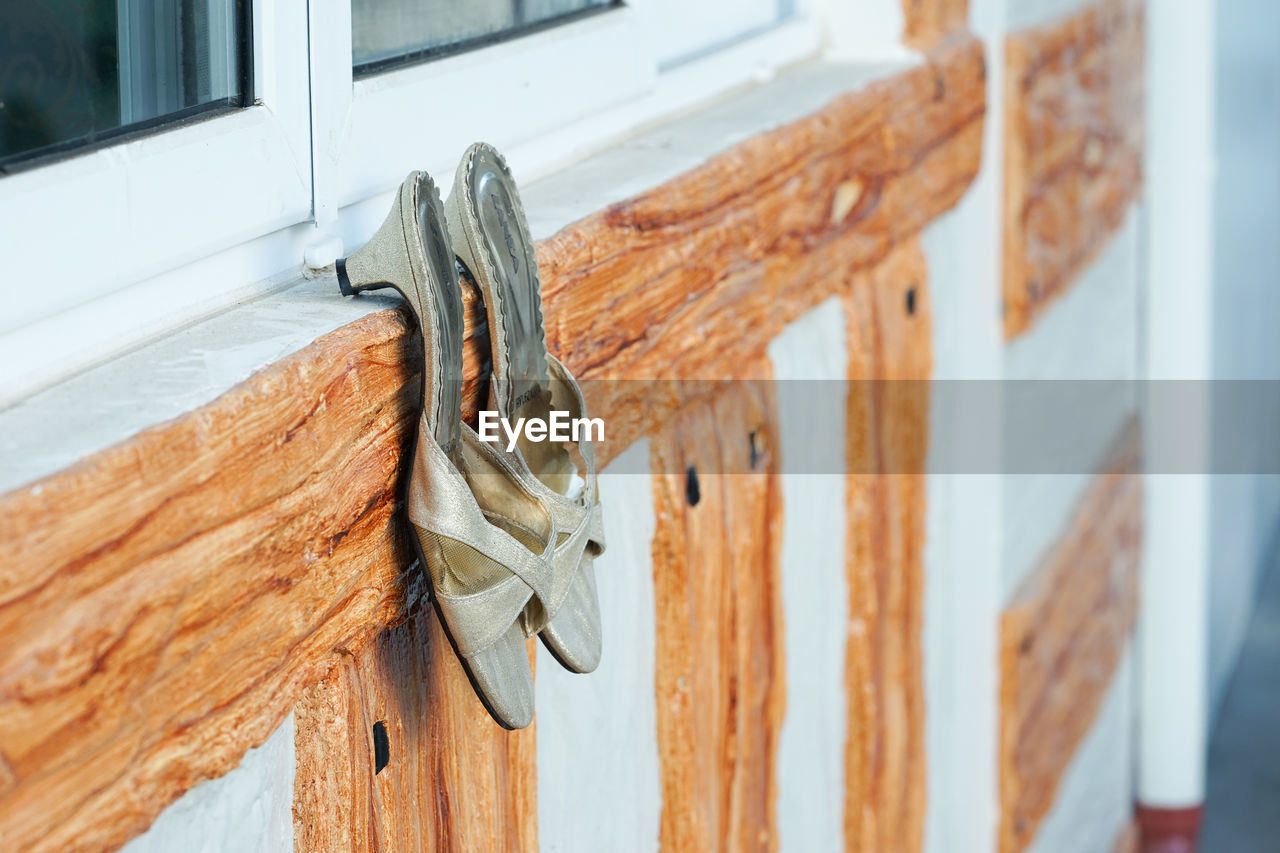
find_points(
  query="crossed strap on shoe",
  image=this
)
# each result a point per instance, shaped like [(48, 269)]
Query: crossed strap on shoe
[(442, 503), (578, 521), (578, 528)]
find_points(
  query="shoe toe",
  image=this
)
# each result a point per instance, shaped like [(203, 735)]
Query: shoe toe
[(573, 636), (504, 679)]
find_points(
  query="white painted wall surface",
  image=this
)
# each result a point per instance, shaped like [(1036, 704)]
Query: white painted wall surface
[(962, 511), (598, 784), (815, 592), (1095, 796), (1246, 307), (249, 810), (1090, 333)]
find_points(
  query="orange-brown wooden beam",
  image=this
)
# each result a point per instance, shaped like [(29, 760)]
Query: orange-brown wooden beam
[(928, 22), (1073, 149), (447, 778), (719, 665), (888, 316)]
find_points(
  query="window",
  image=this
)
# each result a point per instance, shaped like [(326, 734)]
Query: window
[(207, 145), (86, 236), (386, 32), (73, 73)]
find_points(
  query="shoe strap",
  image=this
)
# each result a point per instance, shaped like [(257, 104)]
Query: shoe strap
[(440, 501), (478, 620), (560, 373), (587, 536)]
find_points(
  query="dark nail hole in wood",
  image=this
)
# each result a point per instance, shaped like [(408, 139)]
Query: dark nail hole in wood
[(939, 87), (691, 491), (754, 440), (381, 747), (911, 300), (1026, 644)]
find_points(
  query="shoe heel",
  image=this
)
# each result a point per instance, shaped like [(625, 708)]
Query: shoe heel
[(345, 285), (382, 262)]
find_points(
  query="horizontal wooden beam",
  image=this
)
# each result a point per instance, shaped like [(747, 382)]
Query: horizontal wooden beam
[(927, 22), (164, 603), (1073, 149), (1061, 641)]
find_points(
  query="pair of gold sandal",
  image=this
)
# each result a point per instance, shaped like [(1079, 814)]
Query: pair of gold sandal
[(508, 538)]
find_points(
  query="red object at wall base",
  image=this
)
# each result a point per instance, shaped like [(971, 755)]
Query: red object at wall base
[(1169, 830)]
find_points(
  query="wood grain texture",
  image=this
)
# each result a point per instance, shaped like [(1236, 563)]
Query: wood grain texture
[(928, 22), (1061, 638), (164, 603), (453, 780), (1073, 149), (722, 259), (719, 668), (888, 317)]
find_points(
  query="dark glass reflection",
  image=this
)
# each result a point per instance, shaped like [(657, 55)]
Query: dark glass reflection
[(77, 71)]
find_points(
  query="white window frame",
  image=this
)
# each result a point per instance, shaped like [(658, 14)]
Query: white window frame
[(371, 132), (380, 127), (81, 228)]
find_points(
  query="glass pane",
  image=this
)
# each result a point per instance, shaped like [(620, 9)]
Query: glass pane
[(383, 30), (77, 71)]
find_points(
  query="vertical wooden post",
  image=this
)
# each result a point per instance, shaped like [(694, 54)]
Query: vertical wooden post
[(719, 654), (888, 316), (453, 780)]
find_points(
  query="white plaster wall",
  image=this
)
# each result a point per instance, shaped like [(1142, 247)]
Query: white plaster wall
[(598, 783), (815, 593), (1090, 333), (1095, 797), (1246, 307), (962, 510), (249, 810)]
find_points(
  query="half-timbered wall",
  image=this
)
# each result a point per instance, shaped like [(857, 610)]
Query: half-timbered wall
[(913, 657)]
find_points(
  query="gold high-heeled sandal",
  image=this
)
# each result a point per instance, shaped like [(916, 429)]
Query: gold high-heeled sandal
[(491, 237), (485, 539)]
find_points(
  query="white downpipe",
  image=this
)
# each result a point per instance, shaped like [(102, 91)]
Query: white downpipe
[(1173, 628)]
